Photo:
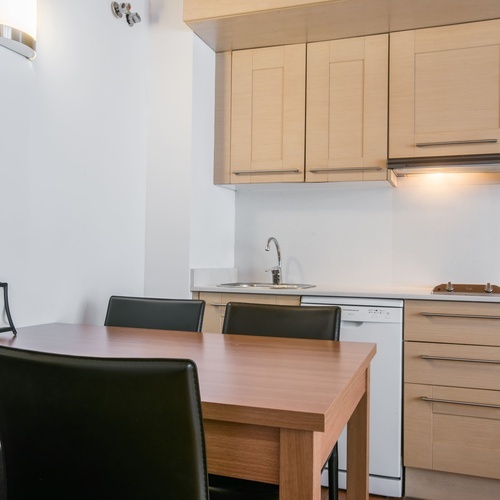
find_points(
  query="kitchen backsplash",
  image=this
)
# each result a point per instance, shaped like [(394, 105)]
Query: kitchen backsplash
[(410, 236)]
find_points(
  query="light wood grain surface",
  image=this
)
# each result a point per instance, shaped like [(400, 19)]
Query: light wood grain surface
[(444, 89), (263, 398), (229, 25), (452, 388)]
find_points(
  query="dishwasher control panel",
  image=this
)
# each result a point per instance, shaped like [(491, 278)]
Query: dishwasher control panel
[(363, 310), (371, 314)]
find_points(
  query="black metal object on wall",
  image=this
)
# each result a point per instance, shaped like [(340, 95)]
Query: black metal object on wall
[(11, 327)]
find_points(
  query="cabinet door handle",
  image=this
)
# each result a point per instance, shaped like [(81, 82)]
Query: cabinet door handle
[(271, 171), (215, 304), (465, 403), (344, 169), (465, 316), (455, 143), (467, 360)]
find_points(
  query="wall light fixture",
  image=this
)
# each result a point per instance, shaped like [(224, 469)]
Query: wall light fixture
[(18, 26), (120, 10)]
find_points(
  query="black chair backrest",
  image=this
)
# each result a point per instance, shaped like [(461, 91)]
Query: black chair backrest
[(157, 314), (80, 428), (315, 322)]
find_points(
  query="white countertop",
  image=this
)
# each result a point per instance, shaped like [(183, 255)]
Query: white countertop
[(207, 280), (405, 293)]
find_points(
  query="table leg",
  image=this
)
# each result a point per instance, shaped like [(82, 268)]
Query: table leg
[(357, 448), (300, 467)]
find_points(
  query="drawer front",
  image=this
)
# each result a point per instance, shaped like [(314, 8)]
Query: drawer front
[(452, 429), (215, 307), (452, 365), (455, 322)]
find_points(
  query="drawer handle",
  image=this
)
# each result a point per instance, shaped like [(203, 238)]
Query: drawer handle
[(466, 316), (466, 360), (465, 403), (344, 169), (455, 143), (214, 304), (273, 171)]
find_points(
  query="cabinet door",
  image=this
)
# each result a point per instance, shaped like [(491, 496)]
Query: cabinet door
[(268, 114), (452, 429), (347, 109), (444, 91)]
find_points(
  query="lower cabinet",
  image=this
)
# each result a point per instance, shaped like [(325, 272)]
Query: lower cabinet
[(215, 307), (452, 387)]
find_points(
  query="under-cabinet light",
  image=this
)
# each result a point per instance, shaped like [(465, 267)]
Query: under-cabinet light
[(465, 164)]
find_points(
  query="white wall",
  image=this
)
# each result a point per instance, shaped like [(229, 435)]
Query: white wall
[(99, 140), (410, 236), (169, 152), (190, 222), (213, 207), (73, 161)]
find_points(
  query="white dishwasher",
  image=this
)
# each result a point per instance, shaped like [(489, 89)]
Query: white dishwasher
[(378, 321)]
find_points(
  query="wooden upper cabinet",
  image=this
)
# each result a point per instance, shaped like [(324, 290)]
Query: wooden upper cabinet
[(346, 132), (242, 24), (210, 9), (444, 91), (268, 115)]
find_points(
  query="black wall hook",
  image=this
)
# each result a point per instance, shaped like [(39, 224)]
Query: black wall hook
[(11, 327)]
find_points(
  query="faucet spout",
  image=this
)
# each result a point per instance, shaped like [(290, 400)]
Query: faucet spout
[(276, 271)]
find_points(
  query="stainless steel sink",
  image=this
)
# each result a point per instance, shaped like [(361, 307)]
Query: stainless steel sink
[(283, 286)]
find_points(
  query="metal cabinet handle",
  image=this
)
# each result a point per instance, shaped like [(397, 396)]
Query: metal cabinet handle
[(214, 304), (465, 316), (455, 143), (466, 360), (272, 171), (344, 169), (465, 403)]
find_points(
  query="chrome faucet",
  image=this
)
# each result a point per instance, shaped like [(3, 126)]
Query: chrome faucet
[(276, 271)]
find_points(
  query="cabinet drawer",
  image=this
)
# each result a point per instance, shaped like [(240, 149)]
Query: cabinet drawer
[(452, 365), (455, 322), (452, 429)]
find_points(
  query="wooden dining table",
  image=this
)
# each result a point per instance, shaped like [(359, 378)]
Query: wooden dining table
[(273, 408)]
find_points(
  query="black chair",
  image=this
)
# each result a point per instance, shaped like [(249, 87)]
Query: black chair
[(78, 427), (316, 322), (157, 314)]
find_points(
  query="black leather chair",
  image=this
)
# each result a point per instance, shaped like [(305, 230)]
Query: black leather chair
[(316, 322), (80, 428), (157, 314)]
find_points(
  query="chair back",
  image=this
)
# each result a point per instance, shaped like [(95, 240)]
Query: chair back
[(80, 427), (315, 322), (157, 314)]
